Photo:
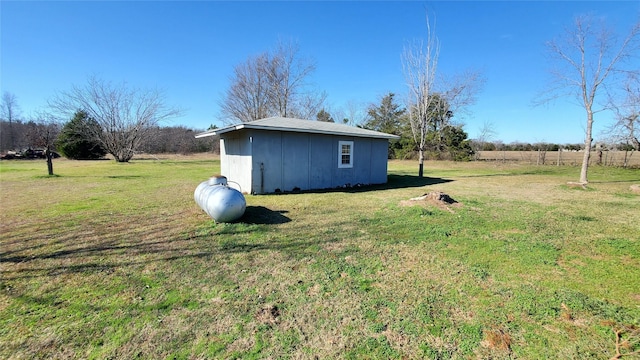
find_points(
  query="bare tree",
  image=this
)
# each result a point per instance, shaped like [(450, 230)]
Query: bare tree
[(337, 113), (460, 90), (272, 84), (355, 113), (287, 75), (126, 116), (42, 132), (627, 111), (487, 132), (420, 62), (590, 59), (307, 105), (433, 100), (10, 113), (247, 98)]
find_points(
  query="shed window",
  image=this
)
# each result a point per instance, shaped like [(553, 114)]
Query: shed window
[(345, 154)]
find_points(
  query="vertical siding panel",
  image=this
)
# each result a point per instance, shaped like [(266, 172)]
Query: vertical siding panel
[(267, 152), (321, 161), (379, 155), (236, 161), (362, 161), (296, 161)]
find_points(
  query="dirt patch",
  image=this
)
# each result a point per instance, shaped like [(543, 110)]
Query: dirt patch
[(435, 198), (635, 189), (268, 315), (497, 339)]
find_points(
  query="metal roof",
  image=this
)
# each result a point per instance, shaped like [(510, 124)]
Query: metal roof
[(299, 125)]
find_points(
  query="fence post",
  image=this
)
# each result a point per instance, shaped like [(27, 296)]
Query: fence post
[(559, 156)]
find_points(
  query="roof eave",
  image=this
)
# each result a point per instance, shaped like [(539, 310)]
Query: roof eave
[(219, 131), (291, 129)]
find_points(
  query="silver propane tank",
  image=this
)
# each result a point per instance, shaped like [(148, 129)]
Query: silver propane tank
[(218, 200)]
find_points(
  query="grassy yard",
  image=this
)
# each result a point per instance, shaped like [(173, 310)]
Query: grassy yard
[(109, 260)]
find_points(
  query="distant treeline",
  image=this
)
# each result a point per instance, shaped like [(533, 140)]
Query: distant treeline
[(522, 146), (16, 136), (178, 140)]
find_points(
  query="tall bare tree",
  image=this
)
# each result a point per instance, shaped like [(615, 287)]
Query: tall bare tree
[(10, 113), (272, 84), (247, 98), (590, 59), (420, 64), (288, 74), (434, 99), (126, 115)]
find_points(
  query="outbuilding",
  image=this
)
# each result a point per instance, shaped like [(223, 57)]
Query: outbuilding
[(280, 154)]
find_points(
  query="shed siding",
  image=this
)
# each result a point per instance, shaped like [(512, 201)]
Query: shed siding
[(263, 161), (235, 160), (267, 161), (322, 154), (296, 161), (362, 160), (378, 161)]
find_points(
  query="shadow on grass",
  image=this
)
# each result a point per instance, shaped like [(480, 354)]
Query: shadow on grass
[(104, 250), (263, 216), (125, 176), (393, 182), (107, 259), (108, 247), (632, 181), (407, 181)]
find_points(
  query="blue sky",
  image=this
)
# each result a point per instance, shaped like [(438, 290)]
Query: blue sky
[(189, 50)]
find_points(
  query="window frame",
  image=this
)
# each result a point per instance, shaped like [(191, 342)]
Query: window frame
[(342, 165)]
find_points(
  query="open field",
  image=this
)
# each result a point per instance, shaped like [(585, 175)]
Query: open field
[(109, 260), (569, 158)]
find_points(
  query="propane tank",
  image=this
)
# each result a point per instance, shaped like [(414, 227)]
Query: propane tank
[(221, 202)]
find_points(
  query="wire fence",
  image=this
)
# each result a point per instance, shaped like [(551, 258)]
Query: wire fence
[(563, 157)]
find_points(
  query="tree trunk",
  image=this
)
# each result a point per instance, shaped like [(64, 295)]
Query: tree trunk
[(421, 164), (587, 149), (49, 156)]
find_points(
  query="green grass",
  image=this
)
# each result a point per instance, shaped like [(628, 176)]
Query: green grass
[(109, 260)]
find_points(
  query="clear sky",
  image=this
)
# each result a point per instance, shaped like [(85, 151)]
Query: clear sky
[(189, 50)]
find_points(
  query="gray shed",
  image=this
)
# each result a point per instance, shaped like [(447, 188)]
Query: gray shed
[(284, 154)]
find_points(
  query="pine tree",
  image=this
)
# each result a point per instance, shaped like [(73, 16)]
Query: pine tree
[(77, 141)]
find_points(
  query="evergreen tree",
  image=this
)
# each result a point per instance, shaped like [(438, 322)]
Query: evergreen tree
[(456, 143), (323, 115), (76, 141), (385, 117)]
